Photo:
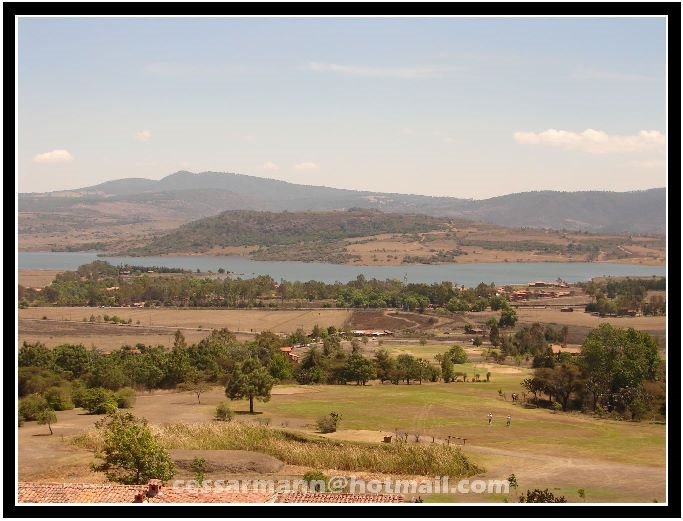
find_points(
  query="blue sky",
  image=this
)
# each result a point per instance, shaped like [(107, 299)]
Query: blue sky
[(463, 107)]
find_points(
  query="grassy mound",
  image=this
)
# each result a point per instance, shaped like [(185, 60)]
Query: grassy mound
[(314, 452)]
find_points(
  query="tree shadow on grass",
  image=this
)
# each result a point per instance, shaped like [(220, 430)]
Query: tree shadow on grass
[(42, 434), (249, 413)]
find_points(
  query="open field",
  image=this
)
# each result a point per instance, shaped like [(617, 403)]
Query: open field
[(157, 326), (613, 461), (37, 278)]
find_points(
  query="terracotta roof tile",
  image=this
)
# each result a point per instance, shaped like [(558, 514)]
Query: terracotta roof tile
[(111, 493), (320, 497), (78, 492)]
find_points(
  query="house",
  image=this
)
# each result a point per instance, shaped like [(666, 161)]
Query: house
[(288, 350), (369, 332)]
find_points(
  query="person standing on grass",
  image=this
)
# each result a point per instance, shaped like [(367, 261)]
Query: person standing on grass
[(509, 421), (490, 417)]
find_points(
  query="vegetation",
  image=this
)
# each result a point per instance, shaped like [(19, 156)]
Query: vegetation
[(100, 286), (618, 370), (541, 496), (311, 452), (329, 422), (223, 412), (267, 229), (618, 296), (129, 451), (249, 380)]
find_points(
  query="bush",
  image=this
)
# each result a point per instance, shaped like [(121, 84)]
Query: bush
[(329, 423), (98, 401), (59, 398), (223, 412), (555, 406), (316, 480), (32, 406), (125, 398)]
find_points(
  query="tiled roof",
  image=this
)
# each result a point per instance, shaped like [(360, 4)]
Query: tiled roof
[(198, 496), (320, 497), (111, 493), (78, 492)]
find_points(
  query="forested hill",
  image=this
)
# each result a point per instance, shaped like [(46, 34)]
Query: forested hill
[(247, 228), (187, 196)]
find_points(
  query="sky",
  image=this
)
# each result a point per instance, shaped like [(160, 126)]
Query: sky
[(461, 107)]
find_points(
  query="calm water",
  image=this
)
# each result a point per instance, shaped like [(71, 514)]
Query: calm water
[(467, 274)]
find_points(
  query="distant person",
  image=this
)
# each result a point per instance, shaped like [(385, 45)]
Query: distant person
[(508, 421), (490, 417)]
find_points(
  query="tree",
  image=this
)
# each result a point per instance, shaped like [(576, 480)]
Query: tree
[(47, 417), (384, 365), (494, 334), (613, 359), (195, 383), (31, 407), (508, 317), (564, 380), (447, 370), (130, 453), (360, 369), (249, 380), (457, 355)]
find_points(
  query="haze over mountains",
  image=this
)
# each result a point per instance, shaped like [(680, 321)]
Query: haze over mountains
[(188, 196)]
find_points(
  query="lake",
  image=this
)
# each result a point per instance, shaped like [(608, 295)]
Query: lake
[(463, 274)]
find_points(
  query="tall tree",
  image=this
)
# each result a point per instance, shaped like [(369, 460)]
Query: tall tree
[(249, 380)]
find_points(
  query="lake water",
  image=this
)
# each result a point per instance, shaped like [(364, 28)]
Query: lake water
[(467, 274)]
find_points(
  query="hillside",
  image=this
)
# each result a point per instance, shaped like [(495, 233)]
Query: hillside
[(306, 231), (185, 196), (371, 237)]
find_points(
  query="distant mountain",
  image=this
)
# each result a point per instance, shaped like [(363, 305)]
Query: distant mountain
[(188, 196)]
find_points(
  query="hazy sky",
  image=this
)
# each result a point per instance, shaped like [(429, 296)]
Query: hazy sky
[(464, 107)]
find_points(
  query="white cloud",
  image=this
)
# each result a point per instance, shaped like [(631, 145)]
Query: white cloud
[(594, 141), (378, 72), (306, 166), (54, 156), (143, 135), (269, 165)]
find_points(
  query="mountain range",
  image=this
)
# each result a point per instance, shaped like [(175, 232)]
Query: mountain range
[(187, 196)]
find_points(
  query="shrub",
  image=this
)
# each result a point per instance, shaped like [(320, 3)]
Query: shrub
[(32, 406), (556, 406), (329, 423), (223, 412), (59, 398), (125, 398), (98, 401), (316, 480)]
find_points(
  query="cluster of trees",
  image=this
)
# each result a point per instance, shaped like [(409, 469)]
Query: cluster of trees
[(247, 228), (100, 284), (612, 295), (618, 370), (71, 375)]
